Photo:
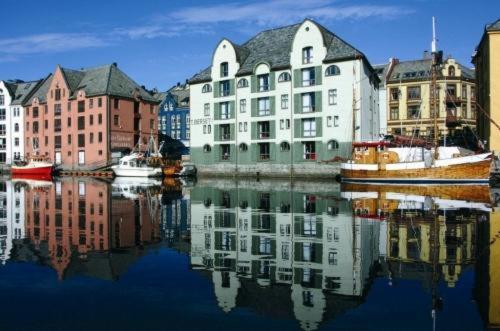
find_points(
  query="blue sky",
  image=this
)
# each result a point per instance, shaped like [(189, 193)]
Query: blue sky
[(161, 42)]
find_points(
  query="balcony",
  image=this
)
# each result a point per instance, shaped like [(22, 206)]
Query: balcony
[(224, 93), (452, 120), (308, 82), (225, 136), (264, 157), (309, 156), (452, 99), (264, 135), (57, 128), (225, 157), (308, 109), (264, 88)]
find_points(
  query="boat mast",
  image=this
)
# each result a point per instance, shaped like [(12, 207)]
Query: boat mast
[(434, 90)]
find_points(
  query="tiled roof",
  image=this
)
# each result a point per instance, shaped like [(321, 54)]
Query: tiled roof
[(180, 94), (102, 80), (23, 91), (420, 70), (381, 71), (42, 90), (495, 26), (274, 47)]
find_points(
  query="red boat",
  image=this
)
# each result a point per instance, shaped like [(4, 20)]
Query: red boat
[(34, 167)]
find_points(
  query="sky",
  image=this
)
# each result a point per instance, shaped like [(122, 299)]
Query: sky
[(161, 42)]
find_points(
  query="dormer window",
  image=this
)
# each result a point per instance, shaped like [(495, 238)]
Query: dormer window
[(263, 82), (451, 71), (243, 82), (307, 55), (224, 69), (206, 88), (332, 70)]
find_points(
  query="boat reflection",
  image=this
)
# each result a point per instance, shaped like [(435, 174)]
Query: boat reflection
[(313, 256)]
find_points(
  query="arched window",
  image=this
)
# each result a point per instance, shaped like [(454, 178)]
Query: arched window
[(207, 148), (16, 127), (284, 146), (206, 88), (285, 77), (243, 147), (332, 70), (451, 71), (333, 145), (307, 55), (224, 69), (243, 82)]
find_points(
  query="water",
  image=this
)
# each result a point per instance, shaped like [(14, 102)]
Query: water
[(80, 254)]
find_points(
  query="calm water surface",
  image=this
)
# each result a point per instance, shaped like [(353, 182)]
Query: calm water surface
[(84, 254)]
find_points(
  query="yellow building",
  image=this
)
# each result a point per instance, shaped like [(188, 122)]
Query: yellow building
[(409, 99), (487, 63)]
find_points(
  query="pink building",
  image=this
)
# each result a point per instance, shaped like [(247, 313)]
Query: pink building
[(82, 119)]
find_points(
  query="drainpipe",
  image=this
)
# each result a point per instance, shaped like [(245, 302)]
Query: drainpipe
[(236, 127), (291, 103)]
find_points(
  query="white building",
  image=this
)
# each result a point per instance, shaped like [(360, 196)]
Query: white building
[(11, 217), (12, 95), (282, 102)]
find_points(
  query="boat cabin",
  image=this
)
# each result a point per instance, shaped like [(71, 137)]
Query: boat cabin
[(376, 152)]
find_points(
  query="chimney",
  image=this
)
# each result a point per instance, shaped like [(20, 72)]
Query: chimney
[(178, 83), (115, 64)]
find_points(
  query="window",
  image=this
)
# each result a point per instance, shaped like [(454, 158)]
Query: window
[(243, 83), (307, 55), (464, 91), (243, 147), (206, 88), (284, 77), (57, 125), (58, 94), (225, 132), (224, 69), (245, 127), (413, 112), (81, 140), (206, 109), (309, 127), (16, 141), (284, 146), (309, 150), (99, 137), (332, 258), (2, 99), (99, 102), (394, 115), (57, 141), (336, 120), (207, 148), (69, 107), (116, 120), (333, 145), (308, 102), (451, 71), (35, 128), (91, 138), (264, 129), (264, 106), (264, 151), (329, 121), (224, 88), (35, 112), (287, 124), (282, 124), (451, 90), (394, 94), (209, 128), (332, 70), (332, 97), (91, 103), (116, 103), (308, 77), (16, 127), (263, 81), (69, 139), (414, 92), (81, 106), (81, 122), (243, 105), (240, 126), (284, 101), (152, 124), (225, 112)]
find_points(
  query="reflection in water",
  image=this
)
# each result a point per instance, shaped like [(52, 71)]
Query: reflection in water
[(298, 251)]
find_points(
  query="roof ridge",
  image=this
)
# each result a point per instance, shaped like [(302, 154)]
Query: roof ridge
[(109, 79), (268, 30)]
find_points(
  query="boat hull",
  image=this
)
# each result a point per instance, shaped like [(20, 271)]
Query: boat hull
[(32, 171), (477, 172), (137, 172)]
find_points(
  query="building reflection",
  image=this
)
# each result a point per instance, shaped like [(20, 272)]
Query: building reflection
[(313, 256), (87, 227), (11, 217)]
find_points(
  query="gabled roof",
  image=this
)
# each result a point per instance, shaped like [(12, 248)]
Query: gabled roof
[(41, 91), (24, 90), (495, 26), (381, 71), (101, 80), (180, 94), (274, 47), (420, 70)]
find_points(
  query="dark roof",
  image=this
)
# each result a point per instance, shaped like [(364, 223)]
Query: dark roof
[(180, 94), (41, 91), (274, 47), (102, 80), (495, 26), (420, 70), (381, 71), (23, 91)]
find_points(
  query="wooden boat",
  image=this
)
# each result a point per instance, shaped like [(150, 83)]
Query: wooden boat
[(171, 168), (34, 167), (376, 162)]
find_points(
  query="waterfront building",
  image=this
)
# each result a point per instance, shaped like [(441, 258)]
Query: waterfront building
[(86, 119), (382, 71), (487, 62), (12, 95), (282, 102), (11, 217), (174, 115), (410, 99)]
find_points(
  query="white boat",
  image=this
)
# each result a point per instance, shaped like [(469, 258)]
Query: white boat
[(138, 164), (135, 165)]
